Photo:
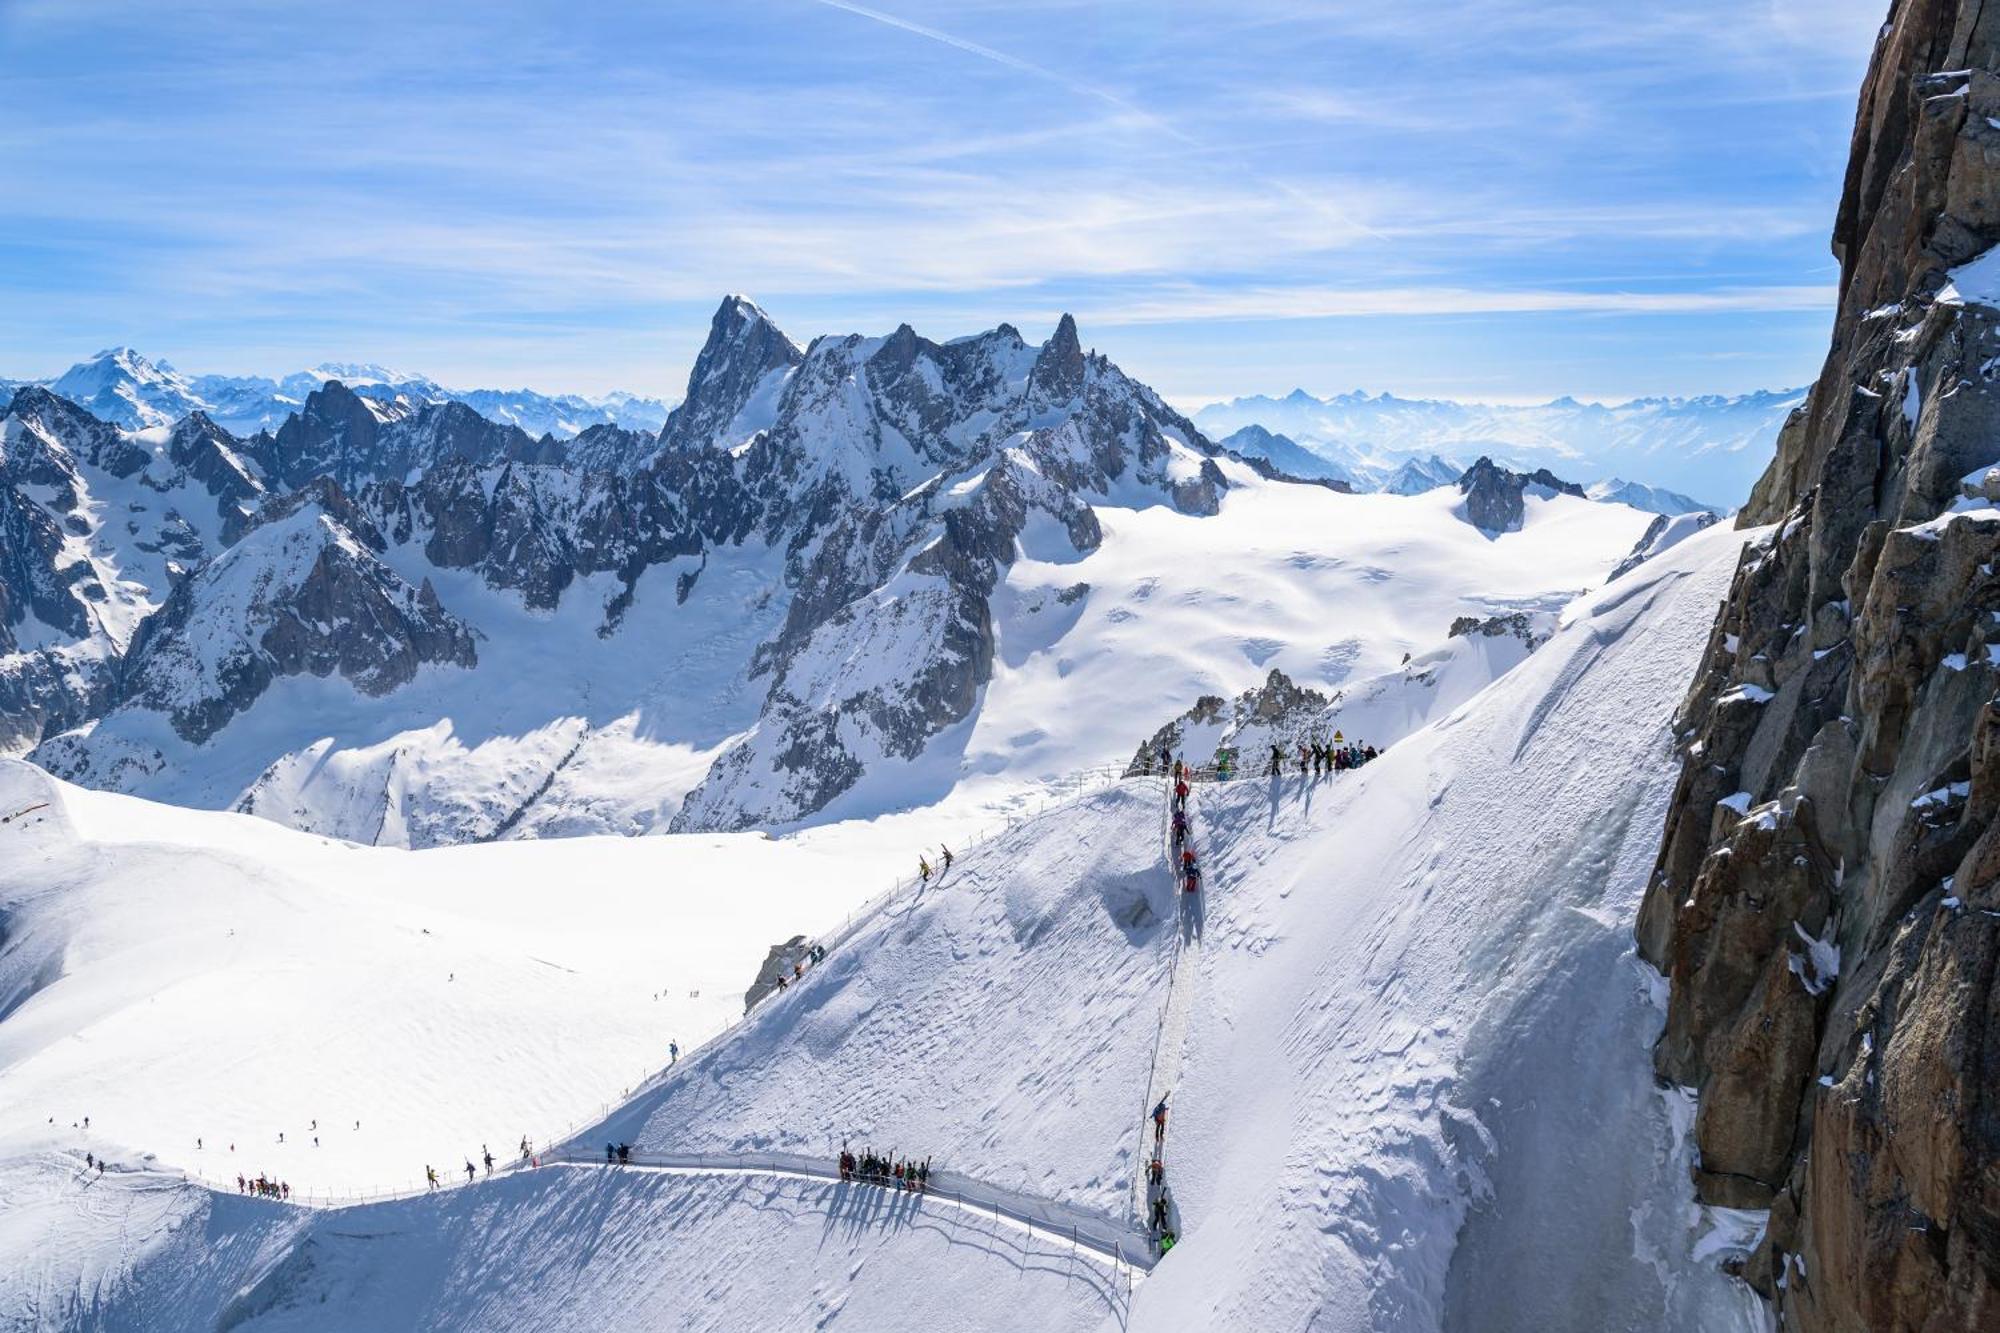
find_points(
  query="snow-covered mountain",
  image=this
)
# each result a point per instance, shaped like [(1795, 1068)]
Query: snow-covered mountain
[(1712, 446), (1253, 441), (122, 387), (1409, 1041), (881, 576)]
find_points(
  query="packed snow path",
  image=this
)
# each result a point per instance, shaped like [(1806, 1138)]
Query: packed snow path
[(1171, 1039), (1127, 1248)]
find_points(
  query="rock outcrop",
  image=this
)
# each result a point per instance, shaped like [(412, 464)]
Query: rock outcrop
[(1826, 903), (1496, 497), (304, 593)]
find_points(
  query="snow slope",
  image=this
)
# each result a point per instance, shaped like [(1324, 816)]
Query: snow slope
[(1415, 1090), (177, 974), (1419, 1072), (1329, 588)]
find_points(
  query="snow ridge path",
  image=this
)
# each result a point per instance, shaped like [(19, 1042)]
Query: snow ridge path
[(1126, 1247), (1171, 1040)]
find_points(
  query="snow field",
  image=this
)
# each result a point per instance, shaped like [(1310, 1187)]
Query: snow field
[(553, 1250), (178, 974), (1415, 1091)]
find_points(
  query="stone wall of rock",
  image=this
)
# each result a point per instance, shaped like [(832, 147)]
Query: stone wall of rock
[(1826, 902)]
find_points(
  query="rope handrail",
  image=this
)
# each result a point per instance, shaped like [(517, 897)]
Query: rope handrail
[(1087, 1228)]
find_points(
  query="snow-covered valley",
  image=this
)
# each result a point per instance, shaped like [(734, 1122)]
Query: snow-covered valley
[(1414, 1089)]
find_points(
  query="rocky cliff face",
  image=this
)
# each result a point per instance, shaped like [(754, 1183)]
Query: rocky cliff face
[(1826, 903), (1495, 497), (882, 485)]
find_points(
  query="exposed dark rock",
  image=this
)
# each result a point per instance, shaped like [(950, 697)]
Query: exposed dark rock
[(301, 593), (1519, 624), (779, 962), (743, 347), (1827, 897), (1495, 496)]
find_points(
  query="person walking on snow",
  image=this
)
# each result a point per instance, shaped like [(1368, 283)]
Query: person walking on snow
[(487, 1153), (924, 870), (470, 1172), (947, 855), (1159, 1124), (673, 1052), (430, 1176)]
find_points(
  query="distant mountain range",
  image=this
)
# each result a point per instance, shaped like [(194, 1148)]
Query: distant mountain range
[(120, 386), (1710, 447)]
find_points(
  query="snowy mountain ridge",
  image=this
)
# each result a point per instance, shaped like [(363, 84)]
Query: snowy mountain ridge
[(811, 603), (1711, 446), (122, 387)]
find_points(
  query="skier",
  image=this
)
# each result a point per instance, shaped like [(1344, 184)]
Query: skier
[(487, 1154), (241, 1186), (1187, 859), (924, 870), (1159, 1123), (1166, 1242), (947, 855), (1156, 1171), (470, 1172), (1160, 1211), (1193, 883), (610, 1154), (673, 1058), (431, 1176), (1277, 760)]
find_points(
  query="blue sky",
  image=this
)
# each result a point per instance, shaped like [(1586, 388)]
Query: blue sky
[(1457, 197)]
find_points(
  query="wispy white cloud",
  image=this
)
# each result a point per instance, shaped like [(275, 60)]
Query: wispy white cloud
[(239, 172), (1298, 302)]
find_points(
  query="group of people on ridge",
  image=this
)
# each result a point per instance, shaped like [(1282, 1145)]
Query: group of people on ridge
[(1317, 758), (815, 955), (263, 1187), (1159, 1206), (1190, 866), (870, 1169)]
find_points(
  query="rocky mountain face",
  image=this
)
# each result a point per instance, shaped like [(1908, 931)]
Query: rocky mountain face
[(1495, 497), (1826, 903), (887, 482)]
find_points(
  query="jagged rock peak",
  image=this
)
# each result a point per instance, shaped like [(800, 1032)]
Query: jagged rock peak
[(1495, 497), (743, 351), (1059, 367)]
